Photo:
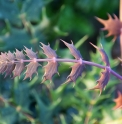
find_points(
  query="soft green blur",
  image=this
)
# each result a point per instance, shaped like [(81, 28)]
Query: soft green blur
[(29, 22)]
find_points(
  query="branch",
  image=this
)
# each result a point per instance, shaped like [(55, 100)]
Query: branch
[(75, 61), (16, 63)]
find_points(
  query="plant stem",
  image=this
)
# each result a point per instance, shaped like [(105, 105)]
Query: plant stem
[(65, 60), (74, 61), (116, 74), (120, 10), (120, 16)]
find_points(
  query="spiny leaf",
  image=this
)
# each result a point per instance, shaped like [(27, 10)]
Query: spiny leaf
[(19, 67), (112, 25), (52, 66), (31, 69), (118, 101), (3, 62), (3, 57), (103, 54), (103, 80), (30, 53), (10, 56), (73, 50), (77, 70), (19, 55), (3, 67), (32, 66), (50, 53), (50, 69), (10, 65)]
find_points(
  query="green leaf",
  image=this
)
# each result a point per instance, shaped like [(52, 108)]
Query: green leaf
[(8, 115), (9, 10), (33, 7)]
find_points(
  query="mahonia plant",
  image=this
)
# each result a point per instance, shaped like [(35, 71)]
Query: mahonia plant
[(15, 62)]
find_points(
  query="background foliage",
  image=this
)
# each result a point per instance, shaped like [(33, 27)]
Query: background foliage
[(28, 22)]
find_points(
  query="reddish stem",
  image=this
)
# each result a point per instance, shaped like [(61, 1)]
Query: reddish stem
[(75, 61), (120, 17)]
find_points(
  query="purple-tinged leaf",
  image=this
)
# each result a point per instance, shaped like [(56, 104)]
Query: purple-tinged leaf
[(50, 69), (113, 26), (73, 50), (76, 72), (19, 55), (3, 66), (19, 67), (103, 80), (10, 56), (3, 62), (3, 57), (103, 54), (50, 53), (10, 67), (6, 63), (118, 101), (31, 69), (30, 53)]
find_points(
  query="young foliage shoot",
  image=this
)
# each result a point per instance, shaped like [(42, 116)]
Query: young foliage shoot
[(15, 62)]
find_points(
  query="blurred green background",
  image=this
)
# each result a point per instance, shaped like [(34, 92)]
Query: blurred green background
[(29, 22)]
